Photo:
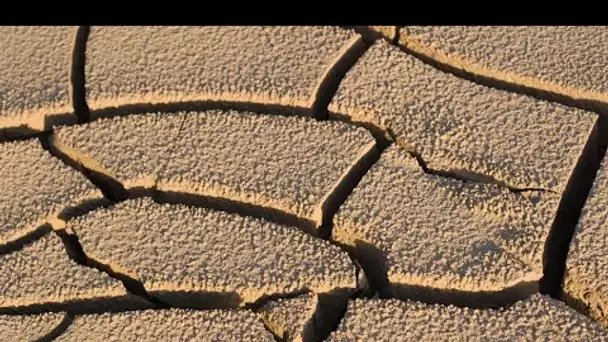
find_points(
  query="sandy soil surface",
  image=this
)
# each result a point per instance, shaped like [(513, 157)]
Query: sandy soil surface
[(291, 183)]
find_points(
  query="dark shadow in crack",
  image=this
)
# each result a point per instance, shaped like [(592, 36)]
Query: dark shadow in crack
[(569, 210), (373, 262), (275, 337), (19, 133), (77, 254), (241, 208), (189, 106), (383, 138), (333, 77), (115, 192), (547, 95), (345, 186), (375, 265), (78, 75), (24, 132), (370, 35), (110, 187), (330, 310), (262, 301), (191, 299), (83, 207), (91, 305), (31, 237), (59, 329), (468, 299), (575, 303)]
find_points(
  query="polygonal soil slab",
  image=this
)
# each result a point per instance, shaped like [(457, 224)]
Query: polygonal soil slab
[(41, 276), (294, 165), (35, 81), (35, 188), (585, 282), (463, 128), (569, 61), (440, 239), (167, 325), (280, 65), (30, 327), (289, 167), (537, 318), (196, 257)]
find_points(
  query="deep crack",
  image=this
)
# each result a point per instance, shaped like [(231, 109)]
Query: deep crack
[(569, 210), (77, 254), (65, 323), (78, 75), (17, 244), (333, 76), (557, 244)]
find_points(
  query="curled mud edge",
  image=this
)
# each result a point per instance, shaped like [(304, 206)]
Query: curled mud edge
[(203, 300), (325, 91), (29, 124), (26, 239), (116, 192), (200, 105), (76, 252), (371, 260), (54, 221), (331, 306), (383, 136), (584, 301)]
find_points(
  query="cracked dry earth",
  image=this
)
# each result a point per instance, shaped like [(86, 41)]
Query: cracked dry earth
[(378, 183)]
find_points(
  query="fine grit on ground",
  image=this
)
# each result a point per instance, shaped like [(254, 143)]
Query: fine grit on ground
[(300, 183)]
